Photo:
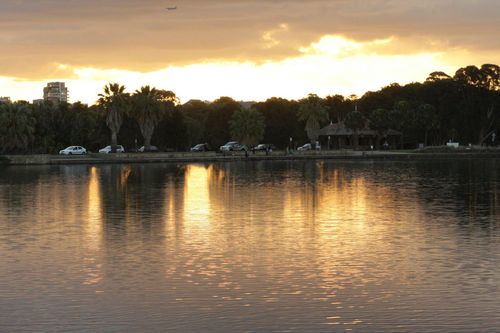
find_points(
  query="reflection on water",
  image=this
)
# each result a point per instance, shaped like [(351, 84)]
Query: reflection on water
[(91, 269), (94, 219), (196, 196), (281, 246)]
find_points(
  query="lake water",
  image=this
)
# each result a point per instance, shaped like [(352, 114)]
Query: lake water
[(311, 246)]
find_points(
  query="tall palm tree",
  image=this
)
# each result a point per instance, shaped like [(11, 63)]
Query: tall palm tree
[(115, 103), (313, 113), (148, 105)]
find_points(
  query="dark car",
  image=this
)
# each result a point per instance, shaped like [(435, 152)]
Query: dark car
[(265, 146), (152, 149)]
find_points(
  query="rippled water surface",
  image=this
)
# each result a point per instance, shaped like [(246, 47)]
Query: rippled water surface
[(251, 247)]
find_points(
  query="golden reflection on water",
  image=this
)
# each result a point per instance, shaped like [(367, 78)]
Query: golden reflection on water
[(92, 270), (125, 175), (196, 196), (93, 228), (333, 227), (330, 244)]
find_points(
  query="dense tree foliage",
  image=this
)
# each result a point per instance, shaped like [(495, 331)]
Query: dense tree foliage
[(313, 113), (247, 126), (355, 121), (171, 134), (195, 115), (462, 107), (217, 123), (280, 119), (380, 121), (17, 127)]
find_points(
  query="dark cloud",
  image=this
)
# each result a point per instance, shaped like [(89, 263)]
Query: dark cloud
[(142, 35)]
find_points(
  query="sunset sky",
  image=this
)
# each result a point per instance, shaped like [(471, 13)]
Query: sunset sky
[(246, 49)]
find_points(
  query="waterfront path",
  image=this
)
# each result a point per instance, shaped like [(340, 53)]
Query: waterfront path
[(239, 156)]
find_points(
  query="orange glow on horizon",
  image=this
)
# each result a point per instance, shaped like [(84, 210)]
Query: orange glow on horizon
[(331, 65)]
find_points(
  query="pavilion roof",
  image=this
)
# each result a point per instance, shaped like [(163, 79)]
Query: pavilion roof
[(340, 129)]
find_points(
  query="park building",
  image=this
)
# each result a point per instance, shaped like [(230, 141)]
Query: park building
[(55, 92), (340, 136)]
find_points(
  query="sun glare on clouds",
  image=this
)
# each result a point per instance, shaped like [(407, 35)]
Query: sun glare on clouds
[(332, 65)]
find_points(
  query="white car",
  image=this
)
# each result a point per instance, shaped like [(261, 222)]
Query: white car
[(307, 146), (107, 149), (200, 147), (232, 146), (73, 150)]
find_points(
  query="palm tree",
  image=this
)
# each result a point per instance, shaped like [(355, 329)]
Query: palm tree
[(247, 126), (115, 103), (149, 105), (147, 109), (313, 113)]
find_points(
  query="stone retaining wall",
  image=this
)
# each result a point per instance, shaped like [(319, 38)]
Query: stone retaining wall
[(233, 156)]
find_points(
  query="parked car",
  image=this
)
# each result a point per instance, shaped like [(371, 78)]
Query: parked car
[(264, 146), (232, 146), (107, 149), (152, 149), (73, 150), (307, 146), (200, 147)]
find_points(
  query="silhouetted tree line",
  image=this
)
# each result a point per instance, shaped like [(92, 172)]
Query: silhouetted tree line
[(464, 108)]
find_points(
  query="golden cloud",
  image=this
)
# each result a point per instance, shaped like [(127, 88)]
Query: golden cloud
[(140, 35)]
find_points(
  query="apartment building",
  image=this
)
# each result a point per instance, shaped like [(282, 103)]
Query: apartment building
[(55, 92)]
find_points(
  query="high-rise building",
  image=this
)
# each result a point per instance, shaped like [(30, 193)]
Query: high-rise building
[(5, 100), (55, 92)]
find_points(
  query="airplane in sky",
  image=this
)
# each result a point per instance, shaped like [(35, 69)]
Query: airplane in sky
[(171, 8)]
